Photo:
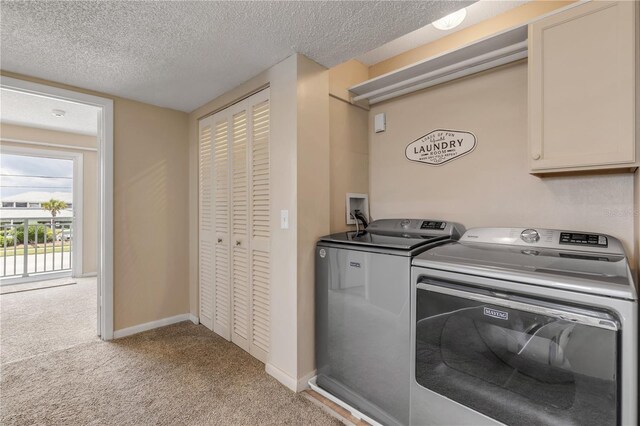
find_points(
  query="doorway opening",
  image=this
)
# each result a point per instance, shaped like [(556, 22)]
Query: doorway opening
[(56, 221)]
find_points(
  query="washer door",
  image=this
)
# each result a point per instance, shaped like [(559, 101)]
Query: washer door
[(515, 359)]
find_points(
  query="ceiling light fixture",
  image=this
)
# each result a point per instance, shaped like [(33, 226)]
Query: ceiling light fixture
[(451, 21), (58, 113)]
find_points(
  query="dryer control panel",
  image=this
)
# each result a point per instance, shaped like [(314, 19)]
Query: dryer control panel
[(545, 238)]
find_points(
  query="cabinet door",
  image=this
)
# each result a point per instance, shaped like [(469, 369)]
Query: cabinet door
[(582, 88)]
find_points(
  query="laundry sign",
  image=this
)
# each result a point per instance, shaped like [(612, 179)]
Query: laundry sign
[(440, 146)]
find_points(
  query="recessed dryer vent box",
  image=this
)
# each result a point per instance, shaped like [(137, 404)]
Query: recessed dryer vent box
[(357, 202)]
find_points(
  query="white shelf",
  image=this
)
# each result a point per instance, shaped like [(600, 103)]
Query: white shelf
[(490, 52)]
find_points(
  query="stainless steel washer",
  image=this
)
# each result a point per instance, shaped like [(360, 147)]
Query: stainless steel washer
[(524, 326), (362, 313)]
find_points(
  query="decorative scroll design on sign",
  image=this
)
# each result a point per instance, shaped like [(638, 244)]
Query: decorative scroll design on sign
[(440, 146)]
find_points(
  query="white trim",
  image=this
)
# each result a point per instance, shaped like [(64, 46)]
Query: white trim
[(355, 413), (303, 382), (48, 144), (88, 275), (281, 376), (194, 319), (78, 214), (105, 187), (296, 385), (77, 191), (123, 332)]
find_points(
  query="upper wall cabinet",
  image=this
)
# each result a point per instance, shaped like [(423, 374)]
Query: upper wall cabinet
[(582, 89)]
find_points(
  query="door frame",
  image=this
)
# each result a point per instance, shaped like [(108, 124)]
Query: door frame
[(105, 187), (77, 191)]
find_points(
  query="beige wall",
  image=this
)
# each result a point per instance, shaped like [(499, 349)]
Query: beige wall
[(512, 18), (150, 210), (313, 189), (299, 153), (490, 186), (89, 178), (349, 139)]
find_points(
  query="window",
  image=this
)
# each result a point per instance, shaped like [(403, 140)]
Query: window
[(69, 205), (21, 205), (34, 205), (7, 204)]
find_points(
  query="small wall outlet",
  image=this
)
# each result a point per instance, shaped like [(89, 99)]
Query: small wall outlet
[(380, 122), (284, 219)]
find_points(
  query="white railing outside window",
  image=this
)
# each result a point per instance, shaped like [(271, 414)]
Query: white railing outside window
[(35, 246)]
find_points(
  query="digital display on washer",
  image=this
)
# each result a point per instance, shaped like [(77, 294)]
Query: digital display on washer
[(430, 224), (592, 240)]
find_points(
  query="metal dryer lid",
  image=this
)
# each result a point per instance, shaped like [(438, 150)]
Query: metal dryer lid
[(398, 234), (568, 260)]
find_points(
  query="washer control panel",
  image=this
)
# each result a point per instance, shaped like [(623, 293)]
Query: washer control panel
[(590, 240), (530, 236), (431, 224), (427, 227), (545, 238)]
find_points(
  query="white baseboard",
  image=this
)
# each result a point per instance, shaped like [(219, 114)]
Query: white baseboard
[(296, 385), (281, 376), (303, 382), (123, 332), (194, 319), (88, 275)]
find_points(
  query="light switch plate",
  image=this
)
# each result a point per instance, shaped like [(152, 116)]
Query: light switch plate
[(284, 219)]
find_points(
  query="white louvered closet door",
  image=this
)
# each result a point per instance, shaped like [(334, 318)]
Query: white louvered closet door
[(240, 309), (260, 225), (205, 218), (222, 289), (238, 206)]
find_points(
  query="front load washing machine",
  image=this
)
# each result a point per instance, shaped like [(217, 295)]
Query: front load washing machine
[(524, 326), (362, 313)]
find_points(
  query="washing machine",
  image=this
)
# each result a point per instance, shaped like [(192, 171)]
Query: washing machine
[(362, 313), (524, 326)]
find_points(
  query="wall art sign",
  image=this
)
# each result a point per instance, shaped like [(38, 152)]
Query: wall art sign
[(440, 146)]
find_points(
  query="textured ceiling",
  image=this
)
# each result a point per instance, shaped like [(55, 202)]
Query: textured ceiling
[(183, 54), (36, 111), (477, 12)]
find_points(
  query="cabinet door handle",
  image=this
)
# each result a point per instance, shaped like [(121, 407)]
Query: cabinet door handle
[(238, 243), (219, 240), (536, 156)]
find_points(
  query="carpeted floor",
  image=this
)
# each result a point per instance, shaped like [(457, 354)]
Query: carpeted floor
[(182, 374), (36, 322)]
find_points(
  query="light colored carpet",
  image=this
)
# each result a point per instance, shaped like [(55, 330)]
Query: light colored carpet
[(40, 321), (182, 374)]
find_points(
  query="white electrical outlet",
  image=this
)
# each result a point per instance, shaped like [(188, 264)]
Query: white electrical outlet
[(284, 219), (380, 123)]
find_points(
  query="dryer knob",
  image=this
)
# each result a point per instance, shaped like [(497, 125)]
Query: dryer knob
[(530, 236)]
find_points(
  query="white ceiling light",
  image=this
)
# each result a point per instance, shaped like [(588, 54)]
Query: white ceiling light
[(58, 112), (451, 21)]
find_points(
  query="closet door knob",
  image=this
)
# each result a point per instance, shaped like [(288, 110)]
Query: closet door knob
[(536, 156)]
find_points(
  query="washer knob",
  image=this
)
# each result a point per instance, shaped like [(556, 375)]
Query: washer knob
[(530, 236), (405, 223)]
